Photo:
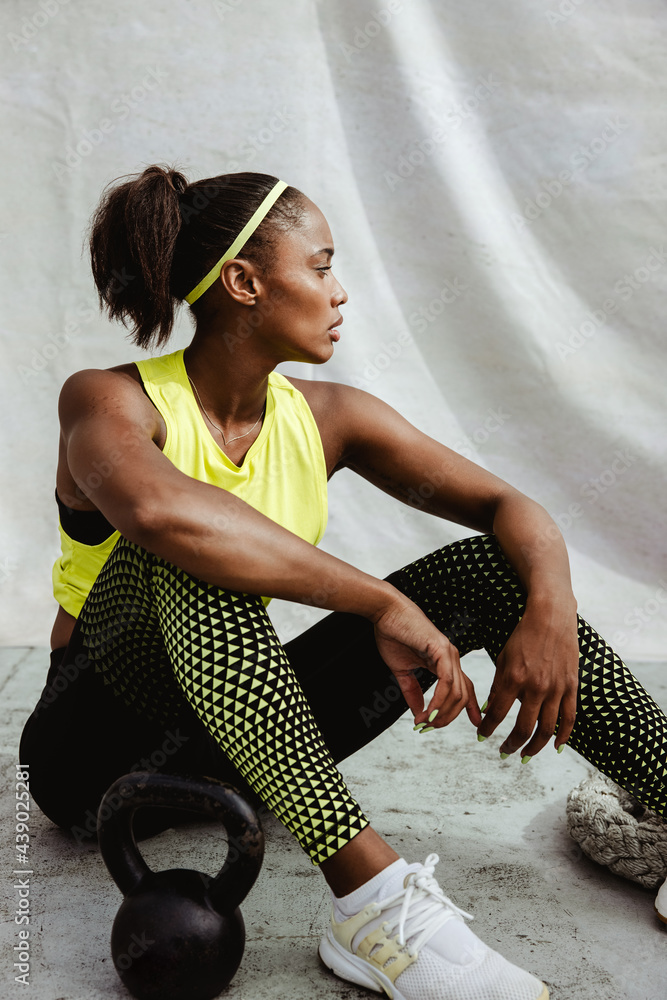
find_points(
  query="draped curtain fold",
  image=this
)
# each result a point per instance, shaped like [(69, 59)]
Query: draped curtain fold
[(494, 178)]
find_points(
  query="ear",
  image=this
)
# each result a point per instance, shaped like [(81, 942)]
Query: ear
[(240, 279)]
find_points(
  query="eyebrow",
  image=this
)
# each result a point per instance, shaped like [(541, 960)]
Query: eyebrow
[(327, 250)]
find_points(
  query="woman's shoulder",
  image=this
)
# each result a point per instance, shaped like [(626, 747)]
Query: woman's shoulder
[(318, 395), (117, 376), (338, 409), (312, 389), (321, 394), (109, 390)]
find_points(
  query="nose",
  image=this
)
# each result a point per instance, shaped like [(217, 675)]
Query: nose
[(339, 296)]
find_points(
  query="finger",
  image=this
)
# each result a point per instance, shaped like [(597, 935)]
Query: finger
[(450, 694), (524, 726), (472, 706), (447, 701), (546, 727), (450, 709), (446, 665), (412, 692), (495, 684), (567, 718), (503, 700)]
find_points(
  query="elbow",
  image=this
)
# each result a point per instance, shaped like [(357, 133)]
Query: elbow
[(143, 523), (510, 502)]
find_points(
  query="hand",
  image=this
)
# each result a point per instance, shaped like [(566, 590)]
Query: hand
[(539, 665), (407, 640)]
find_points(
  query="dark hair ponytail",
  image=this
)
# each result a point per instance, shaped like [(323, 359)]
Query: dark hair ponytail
[(133, 235), (153, 238)]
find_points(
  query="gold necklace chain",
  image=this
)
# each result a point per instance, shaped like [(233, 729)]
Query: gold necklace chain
[(220, 428)]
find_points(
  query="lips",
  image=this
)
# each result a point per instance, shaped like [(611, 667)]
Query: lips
[(336, 322)]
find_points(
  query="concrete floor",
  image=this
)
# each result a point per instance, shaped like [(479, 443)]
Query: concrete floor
[(499, 828)]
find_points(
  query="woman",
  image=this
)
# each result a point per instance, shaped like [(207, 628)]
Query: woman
[(191, 484)]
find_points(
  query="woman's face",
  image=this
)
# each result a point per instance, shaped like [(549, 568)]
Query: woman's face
[(301, 296)]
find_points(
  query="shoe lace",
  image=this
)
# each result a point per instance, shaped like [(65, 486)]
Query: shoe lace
[(435, 909)]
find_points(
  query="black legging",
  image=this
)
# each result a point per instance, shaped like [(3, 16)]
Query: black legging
[(166, 672)]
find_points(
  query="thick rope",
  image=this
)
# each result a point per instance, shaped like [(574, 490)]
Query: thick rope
[(615, 830)]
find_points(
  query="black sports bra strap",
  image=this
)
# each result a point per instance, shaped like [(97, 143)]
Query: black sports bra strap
[(87, 526)]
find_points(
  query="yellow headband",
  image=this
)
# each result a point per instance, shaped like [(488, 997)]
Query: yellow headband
[(238, 243)]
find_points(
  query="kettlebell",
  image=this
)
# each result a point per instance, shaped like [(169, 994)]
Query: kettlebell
[(179, 934)]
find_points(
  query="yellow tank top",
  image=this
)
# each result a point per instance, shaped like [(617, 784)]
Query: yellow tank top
[(283, 473)]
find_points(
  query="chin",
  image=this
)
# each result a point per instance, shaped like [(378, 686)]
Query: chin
[(330, 354), (320, 358)]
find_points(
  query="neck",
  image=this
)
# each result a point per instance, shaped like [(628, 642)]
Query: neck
[(231, 383)]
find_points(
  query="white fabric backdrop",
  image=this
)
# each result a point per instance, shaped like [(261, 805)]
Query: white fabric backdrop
[(493, 174)]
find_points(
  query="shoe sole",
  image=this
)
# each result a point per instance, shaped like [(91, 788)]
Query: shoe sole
[(356, 970), (353, 969), (660, 915)]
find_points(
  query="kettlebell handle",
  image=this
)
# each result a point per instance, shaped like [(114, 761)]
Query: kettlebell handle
[(195, 793)]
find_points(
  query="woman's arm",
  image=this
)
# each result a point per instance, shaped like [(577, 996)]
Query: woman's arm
[(539, 664), (109, 426)]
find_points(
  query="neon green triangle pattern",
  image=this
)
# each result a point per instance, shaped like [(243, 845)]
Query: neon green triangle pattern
[(159, 635)]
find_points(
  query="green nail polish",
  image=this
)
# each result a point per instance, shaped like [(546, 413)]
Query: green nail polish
[(428, 729), (485, 706), (433, 715), (480, 737), (525, 759), (418, 726), (504, 756), (560, 748)]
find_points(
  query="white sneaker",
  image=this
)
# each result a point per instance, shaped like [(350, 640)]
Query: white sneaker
[(398, 943), (661, 903)]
